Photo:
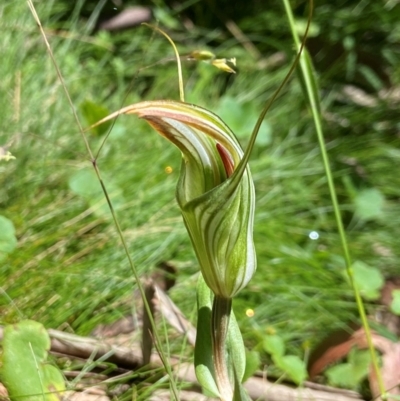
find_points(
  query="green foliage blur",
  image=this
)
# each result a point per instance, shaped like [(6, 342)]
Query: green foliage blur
[(69, 270)]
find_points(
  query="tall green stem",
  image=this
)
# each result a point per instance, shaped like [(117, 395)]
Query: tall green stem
[(166, 363), (313, 99), (221, 312)]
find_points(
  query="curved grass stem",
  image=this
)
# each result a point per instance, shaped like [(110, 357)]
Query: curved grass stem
[(178, 60), (313, 99), (157, 341), (240, 169)]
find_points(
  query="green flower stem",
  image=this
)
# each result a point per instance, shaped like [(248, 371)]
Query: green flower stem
[(221, 312)]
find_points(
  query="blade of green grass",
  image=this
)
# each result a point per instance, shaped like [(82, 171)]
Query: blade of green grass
[(114, 216), (314, 102)]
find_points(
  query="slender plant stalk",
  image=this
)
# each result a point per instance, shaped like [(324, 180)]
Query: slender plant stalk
[(221, 312), (178, 60), (114, 216), (314, 106), (275, 95)]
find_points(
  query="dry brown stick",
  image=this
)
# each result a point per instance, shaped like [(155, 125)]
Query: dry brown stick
[(147, 330), (84, 347), (259, 388), (243, 39)]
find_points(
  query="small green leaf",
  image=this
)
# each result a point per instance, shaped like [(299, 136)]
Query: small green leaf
[(274, 345), (235, 346), (25, 371), (253, 362), (8, 240), (240, 118), (341, 376), (203, 352), (369, 280), (360, 362), (86, 184), (239, 393), (369, 204), (350, 374), (395, 305), (293, 366), (92, 113)]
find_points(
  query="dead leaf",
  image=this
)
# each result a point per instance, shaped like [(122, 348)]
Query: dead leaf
[(3, 393), (390, 369), (174, 316), (332, 349), (390, 351), (128, 18)]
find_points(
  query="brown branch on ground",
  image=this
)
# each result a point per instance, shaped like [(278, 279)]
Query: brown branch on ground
[(130, 358)]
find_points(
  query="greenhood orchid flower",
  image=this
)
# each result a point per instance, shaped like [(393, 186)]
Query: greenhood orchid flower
[(215, 191)]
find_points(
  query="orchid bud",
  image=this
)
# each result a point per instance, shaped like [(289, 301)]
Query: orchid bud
[(216, 198)]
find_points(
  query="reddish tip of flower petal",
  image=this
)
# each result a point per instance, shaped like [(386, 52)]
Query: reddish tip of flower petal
[(226, 159)]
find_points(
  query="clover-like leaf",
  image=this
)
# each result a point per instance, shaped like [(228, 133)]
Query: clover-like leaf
[(25, 372)]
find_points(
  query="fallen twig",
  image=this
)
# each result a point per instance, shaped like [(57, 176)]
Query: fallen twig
[(130, 358)]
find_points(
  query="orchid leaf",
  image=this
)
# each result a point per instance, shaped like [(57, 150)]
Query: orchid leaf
[(203, 360), (236, 350), (239, 393)]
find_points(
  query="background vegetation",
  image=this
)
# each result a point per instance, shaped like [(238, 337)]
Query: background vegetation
[(69, 270)]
